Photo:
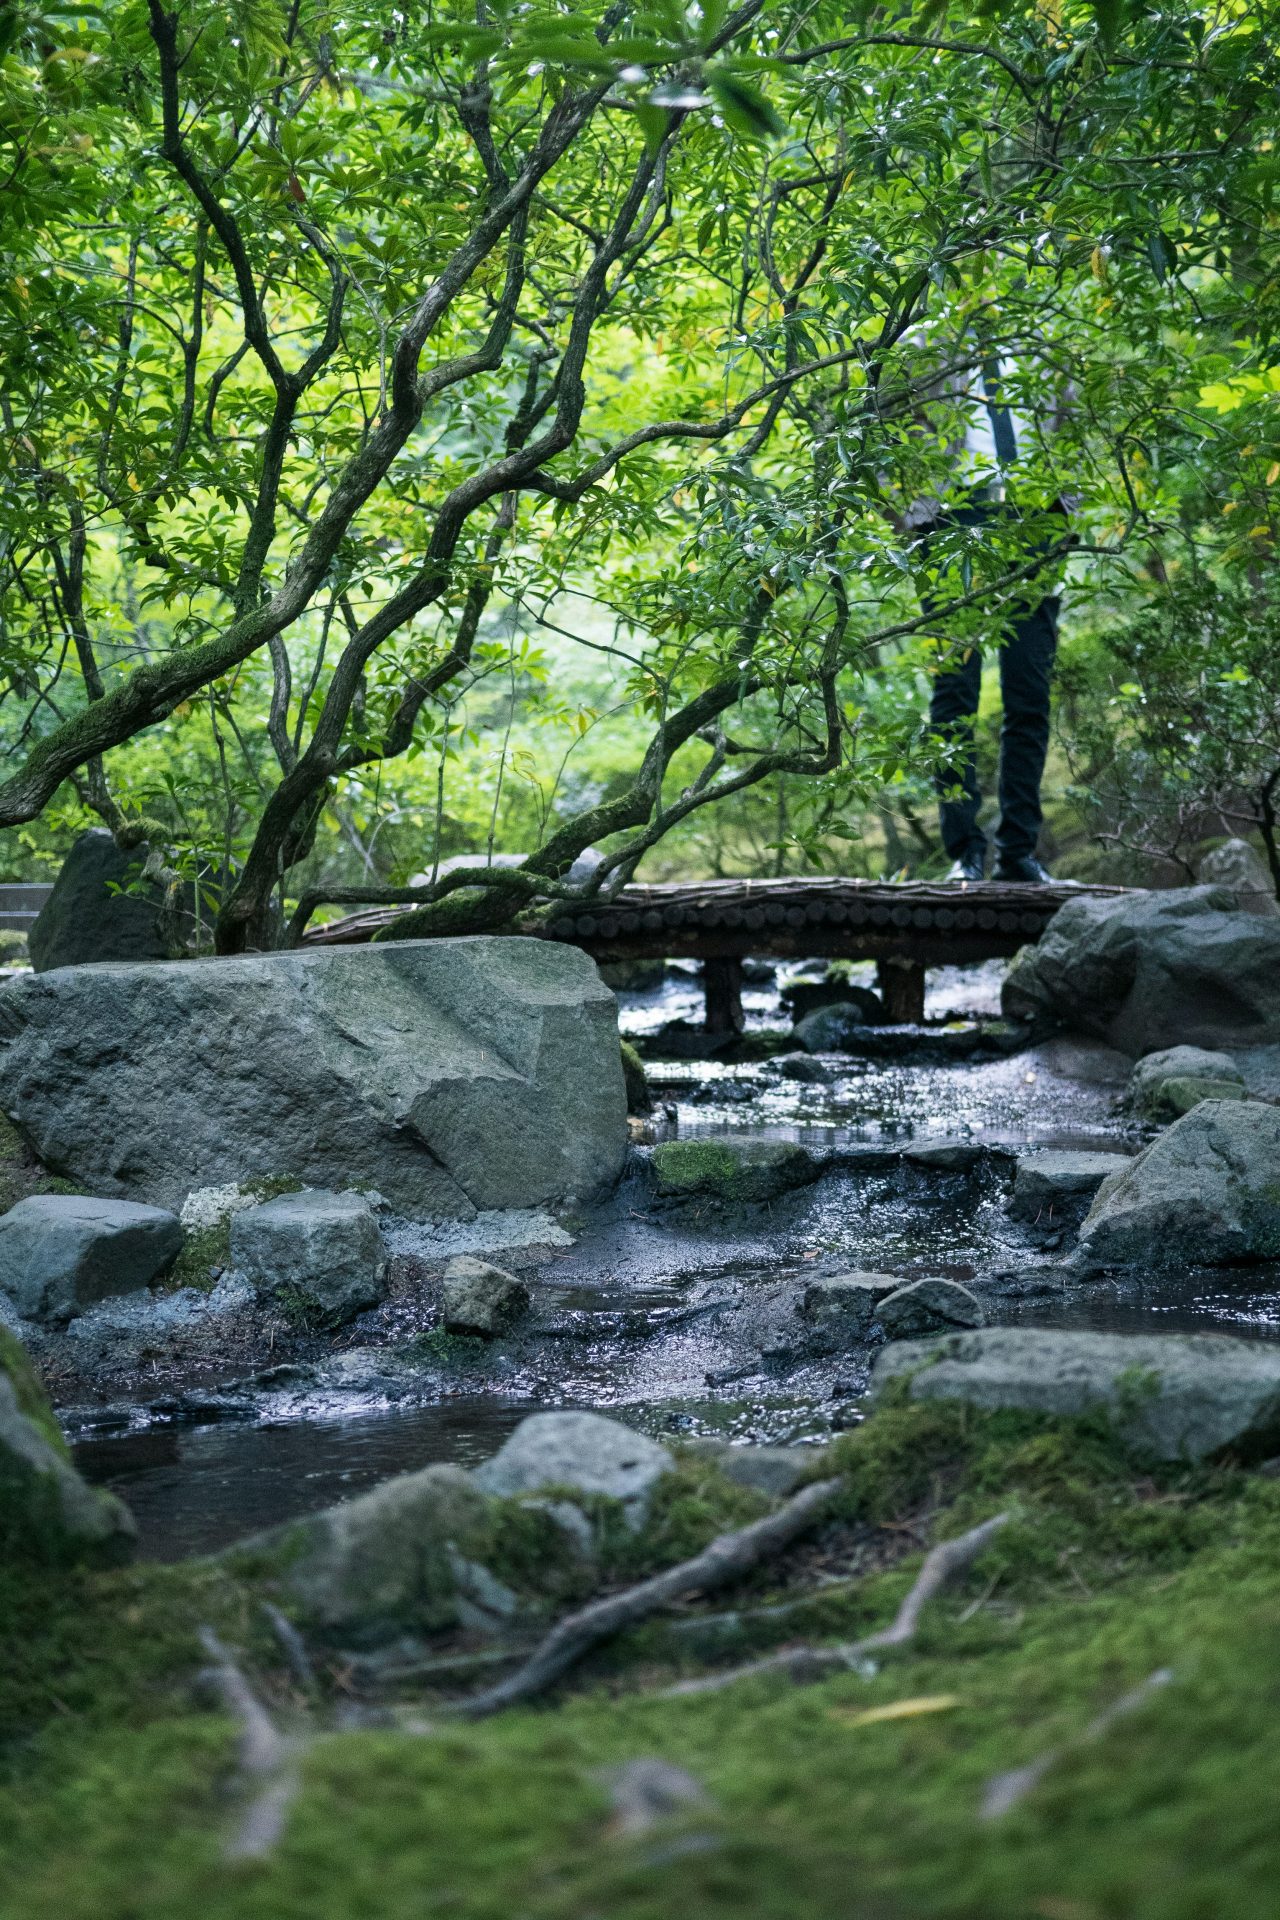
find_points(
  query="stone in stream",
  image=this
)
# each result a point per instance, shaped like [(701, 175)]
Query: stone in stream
[(479, 1298), (1206, 1192), (1146, 1093), (636, 1081), (582, 1451), (1054, 1187), (945, 1156), (1173, 1396), (738, 1170), (928, 1306), (803, 1067), (46, 1510), (829, 1029), (61, 1253), (847, 1302), (1235, 865), (320, 1252), (1149, 970), (1187, 1090), (450, 1075)]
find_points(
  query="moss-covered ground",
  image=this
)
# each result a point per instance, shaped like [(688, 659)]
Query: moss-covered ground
[(113, 1802)]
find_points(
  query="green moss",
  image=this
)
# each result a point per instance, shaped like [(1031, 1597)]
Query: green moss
[(639, 1098), (31, 1397), (113, 1805), (204, 1249), (743, 1172)]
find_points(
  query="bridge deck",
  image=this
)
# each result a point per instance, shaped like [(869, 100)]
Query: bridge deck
[(906, 926)]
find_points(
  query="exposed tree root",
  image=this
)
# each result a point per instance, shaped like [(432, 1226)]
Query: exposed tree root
[(268, 1759), (724, 1560), (804, 1664), (1005, 1790)]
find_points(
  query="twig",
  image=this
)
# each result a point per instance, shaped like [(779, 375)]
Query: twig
[(1005, 1790), (724, 1560), (293, 1646), (804, 1664), (267, 1760)]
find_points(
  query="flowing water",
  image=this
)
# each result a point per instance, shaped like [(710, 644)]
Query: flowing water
[(680, 1318)]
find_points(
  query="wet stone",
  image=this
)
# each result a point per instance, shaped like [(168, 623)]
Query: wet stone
[(928, 1306), (847, 1302), (740, 1170), (61, 1253), (1147, 1091), (1054, 1184), (479, 1298), (945, 1156), (321, 1251), (582, 1451), (1188, 1090), (804, 1067)]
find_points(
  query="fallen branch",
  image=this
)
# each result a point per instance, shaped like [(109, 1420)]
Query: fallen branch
[(267, 1759), (805, 1664), (724, 1560), (1005, 1790)]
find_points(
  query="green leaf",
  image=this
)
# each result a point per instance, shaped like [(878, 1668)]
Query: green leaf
[(1109, 17), (653, 125), (743, 109)]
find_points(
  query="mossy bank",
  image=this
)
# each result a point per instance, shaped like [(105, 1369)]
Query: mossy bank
[(114, 1779)]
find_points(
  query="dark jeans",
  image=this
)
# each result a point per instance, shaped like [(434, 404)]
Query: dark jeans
[(1026, 659)]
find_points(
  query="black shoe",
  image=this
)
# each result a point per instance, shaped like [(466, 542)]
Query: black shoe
[(970, 867), (1024, 870)]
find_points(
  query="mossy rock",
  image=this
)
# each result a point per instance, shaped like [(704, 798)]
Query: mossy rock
[(47, 1512), (744, 1171), (1185, 1091), (639, 1098)]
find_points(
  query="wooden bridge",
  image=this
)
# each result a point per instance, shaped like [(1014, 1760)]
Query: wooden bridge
[(905, 927)]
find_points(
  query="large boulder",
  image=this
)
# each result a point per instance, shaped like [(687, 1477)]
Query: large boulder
[(1148, 970), (1236, 866), (319, 1253), (105, 907), (449, 1075), (61, 1253), (1205, 1192), (582, 1451), (46, 1510), (1172, 1396)]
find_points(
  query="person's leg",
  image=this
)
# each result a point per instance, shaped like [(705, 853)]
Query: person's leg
[(953, 711), (1026, 662)]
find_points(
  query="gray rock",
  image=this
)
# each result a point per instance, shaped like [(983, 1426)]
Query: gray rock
[(1174, 1396), (450, 1075), (803, 1067), (1145, 1092), (480, 1299), (829, 1029), (46, 1510), (775, 1470), (928, 1306), (1179, 1095), (1235, 865), (1206, 1192), (60, 1253), (645, 1793), (804, 997), (1055, 1186), (85, 919), (1149, 970), (1087, 1062), (382, 1563), (320, 1251), (847, 1302), (945, 1156), (582, 1451), (749, 1171)]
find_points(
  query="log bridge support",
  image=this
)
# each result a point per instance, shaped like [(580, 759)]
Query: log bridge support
[(905, 927)]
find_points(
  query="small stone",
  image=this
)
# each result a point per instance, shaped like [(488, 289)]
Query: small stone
[(1186, 1091), (319, 1250), (928, 1306), (582, 1451), (47, 1511), (829, 1029), (848, 1301), (803, 1067), (1149, 1079), (1052, 1183), (644, 1793), (945, 1156), (60, 1253), (775, 1470), (480, 1299)]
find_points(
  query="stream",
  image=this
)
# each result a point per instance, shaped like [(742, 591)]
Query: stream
[(681, 1318)]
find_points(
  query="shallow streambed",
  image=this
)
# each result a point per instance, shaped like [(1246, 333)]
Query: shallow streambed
[(682, 1317)]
